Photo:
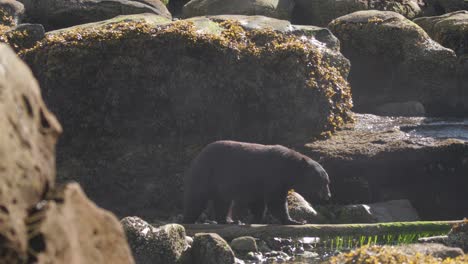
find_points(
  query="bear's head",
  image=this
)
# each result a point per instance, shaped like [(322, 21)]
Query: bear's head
[(313, 181)]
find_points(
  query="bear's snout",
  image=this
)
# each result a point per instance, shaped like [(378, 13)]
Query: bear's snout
[(325, 194)]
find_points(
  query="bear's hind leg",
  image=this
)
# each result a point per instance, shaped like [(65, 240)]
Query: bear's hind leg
[(257, 208)]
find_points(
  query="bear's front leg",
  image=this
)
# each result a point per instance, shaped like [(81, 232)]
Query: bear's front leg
[(279, 209)]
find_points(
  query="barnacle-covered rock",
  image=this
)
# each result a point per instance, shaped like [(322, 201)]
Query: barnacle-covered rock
[(394, 60), (389, 254), (270, 8), (322, 12), (11, 12), (54, 14), (458, 236), (149, 244), (139, 99)]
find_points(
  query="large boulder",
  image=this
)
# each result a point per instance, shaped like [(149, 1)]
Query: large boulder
[(394, 60), (140, 97), (280, 9), (322, 12), (27, 151), (67, 227), (450, 30), (384, 158), (40, 223), (164, 244), (54, 14)]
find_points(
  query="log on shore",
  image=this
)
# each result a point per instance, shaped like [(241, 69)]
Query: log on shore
[(229, 232)]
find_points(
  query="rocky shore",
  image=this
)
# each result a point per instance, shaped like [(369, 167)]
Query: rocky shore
[(375, 91)]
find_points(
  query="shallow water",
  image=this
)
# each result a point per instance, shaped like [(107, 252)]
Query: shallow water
[(416, 127)]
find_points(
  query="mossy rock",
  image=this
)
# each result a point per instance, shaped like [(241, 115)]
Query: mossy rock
[(139, 100), (394, 60), (450, 30), (322, 12)]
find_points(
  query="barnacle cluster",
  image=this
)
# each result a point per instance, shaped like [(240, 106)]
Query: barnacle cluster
[(390, 255), (264, 44)]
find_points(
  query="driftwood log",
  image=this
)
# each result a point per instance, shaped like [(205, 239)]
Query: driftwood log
[(229, 232)]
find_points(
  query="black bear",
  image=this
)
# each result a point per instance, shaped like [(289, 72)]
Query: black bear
[(255, 175)]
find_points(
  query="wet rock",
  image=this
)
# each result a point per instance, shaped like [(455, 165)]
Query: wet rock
[(268, 8), (322, 12), (27, 152), (394, 60), (164, 244), (11, 12), (55, 14), (243, 245), (195, 81), (211, 249), (458, 236), (374, 160), (450, 30), (411, 108)]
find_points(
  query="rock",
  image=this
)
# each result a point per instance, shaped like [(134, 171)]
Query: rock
[(11, 12), (195, 81), (41, 223), (440, 7), (24, 36), (149, 244), (243, 245), (211, 249), (394, 60), (359, 213), (322, 12), (27, 148), (270, 8), (431, 249), (450, 30), (55, 14), (301, 210), (74, 230), (376, 160), (410, 108), (458, 236), (386, 254), (394, 211)]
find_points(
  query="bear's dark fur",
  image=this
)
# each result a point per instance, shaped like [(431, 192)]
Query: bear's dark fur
[(259, 176)]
